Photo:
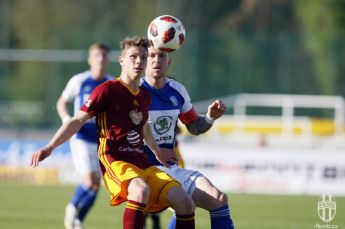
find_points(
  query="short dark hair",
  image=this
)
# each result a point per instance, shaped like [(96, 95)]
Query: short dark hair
[(134, 41), (101, 46)]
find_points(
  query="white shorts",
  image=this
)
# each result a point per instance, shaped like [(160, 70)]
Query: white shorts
[(85, 156), (186, 177)]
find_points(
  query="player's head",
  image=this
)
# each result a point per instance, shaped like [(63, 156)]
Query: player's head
[(133, 57), (157, 63), (98, 58)]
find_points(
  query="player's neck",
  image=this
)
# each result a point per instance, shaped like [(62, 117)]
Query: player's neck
[(133, 84), (97, 75), (157, 83)]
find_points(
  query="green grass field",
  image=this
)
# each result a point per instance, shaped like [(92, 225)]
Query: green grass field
[(32, 207)]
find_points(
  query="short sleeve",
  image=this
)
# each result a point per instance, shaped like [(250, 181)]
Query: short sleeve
[(97, 100), (72, 89)]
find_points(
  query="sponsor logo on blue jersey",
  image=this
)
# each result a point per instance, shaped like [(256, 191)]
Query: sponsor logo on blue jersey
[(163, 124)]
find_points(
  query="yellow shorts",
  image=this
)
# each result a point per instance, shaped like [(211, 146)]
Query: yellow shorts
[(117, 178)]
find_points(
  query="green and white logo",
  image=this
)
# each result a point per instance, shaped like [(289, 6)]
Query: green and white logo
[(163, 124), (326, 207)]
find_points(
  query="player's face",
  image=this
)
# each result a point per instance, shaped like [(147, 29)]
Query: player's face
[(157, 63), (98, 60), (133, 61)]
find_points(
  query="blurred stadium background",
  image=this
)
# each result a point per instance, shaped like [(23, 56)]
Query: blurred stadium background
[(278, 65)]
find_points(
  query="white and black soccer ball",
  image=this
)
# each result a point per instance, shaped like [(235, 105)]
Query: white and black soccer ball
[(166, 33)]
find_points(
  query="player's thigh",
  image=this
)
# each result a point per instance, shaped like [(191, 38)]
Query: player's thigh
[(206, 195), (160, 184), (84, 155), (117, 178)]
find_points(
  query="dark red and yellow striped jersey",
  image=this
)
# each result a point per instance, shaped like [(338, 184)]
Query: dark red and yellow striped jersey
[(120, 116)]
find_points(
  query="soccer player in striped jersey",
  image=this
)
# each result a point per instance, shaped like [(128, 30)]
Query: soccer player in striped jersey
[(170, 102), (121, 110), (84, 143)]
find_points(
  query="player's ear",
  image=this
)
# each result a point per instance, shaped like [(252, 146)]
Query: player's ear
[(169, 61), (120, 59)]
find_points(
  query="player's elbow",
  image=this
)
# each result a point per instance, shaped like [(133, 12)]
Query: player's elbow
[(193, 131), (61, 104)]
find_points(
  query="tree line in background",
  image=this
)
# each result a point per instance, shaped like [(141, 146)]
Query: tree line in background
[(251, 46)]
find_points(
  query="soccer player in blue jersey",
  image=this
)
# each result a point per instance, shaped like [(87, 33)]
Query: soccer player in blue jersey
[(170, 102), (84, 143)]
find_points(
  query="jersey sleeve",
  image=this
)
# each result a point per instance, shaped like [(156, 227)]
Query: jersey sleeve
[(71, 90), (188, 113), (97, 100), (189, 116)]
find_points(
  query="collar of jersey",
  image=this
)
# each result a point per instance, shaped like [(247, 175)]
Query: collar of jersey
[(128, 88), (153, 88)]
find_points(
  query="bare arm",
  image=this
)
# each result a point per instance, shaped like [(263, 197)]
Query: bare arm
[(163, 155), (62, 109), (65, 132), (204, 123)]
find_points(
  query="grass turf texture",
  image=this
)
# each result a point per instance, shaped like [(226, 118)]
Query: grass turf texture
[(32, 207)]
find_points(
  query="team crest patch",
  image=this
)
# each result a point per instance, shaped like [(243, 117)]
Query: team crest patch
[(163, 124), (88, 89), (136, 117), (173, 100)]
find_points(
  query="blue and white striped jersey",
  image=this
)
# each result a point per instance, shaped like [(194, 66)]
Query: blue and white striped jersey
[(78, 88)]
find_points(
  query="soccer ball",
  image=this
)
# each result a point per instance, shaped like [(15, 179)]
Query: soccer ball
[(166, 33)]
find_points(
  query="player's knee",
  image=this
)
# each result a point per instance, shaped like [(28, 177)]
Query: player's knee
[(219, 200), (181, 202), (96, 185), (223, 198), (185, 206), (189, 206), (143, 191), (96, 182), (139, 191), (92, 181)]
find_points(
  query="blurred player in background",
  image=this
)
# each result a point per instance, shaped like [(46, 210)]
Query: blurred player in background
[(121, 110), (84, 143), (170, 102)]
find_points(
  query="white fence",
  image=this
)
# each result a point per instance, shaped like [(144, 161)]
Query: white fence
[(286, 163), (287, 103)]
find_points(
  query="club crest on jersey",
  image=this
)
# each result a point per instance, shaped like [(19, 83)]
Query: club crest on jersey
[(136, 117), (87, 89), (173, 100), (163, 124)]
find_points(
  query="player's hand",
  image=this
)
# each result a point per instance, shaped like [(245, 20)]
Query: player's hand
[(216, 109), (40, 155), (166, 156)]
